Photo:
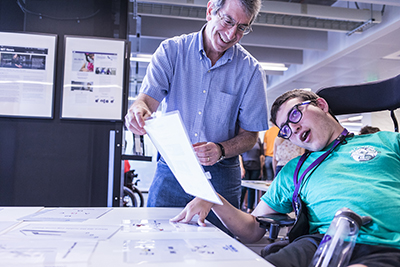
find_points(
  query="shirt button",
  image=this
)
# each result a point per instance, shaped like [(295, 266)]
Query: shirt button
[(195, 134), (199, 112), (204, 91), (208, 71)]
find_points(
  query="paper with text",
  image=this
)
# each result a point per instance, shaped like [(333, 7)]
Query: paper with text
[(143, 251), (169, 136), (64, 231), (67, 214), (28, 253)]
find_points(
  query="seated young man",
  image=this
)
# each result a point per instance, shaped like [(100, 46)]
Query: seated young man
[(362, 173)]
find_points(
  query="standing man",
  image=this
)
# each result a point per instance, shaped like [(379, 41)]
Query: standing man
[(220, 91)]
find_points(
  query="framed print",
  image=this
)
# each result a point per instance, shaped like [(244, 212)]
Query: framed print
[(27, 74), (93, 78)]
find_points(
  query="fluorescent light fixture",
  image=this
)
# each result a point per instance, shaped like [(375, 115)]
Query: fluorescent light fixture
[(141, 57), (354, 118), (395, 55), (354, 124), (273, 66), (366, 25)]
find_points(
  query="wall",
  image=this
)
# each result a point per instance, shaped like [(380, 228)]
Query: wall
[(54, 162), (383, 121)]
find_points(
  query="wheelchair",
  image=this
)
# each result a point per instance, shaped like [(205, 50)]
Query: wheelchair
[(365, 97), (132, 197)]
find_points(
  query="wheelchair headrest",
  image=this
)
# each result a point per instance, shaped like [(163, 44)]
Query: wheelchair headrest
[(365, 97)]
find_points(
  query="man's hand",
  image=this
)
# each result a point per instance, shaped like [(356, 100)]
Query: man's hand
[(141, 110), (197, 206), (208, 153)]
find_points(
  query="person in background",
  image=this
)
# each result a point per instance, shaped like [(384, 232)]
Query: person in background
[(269, 139), (369, 129), (251, 163), (16, 61), (284, 151), (219, 89), (360, 172)]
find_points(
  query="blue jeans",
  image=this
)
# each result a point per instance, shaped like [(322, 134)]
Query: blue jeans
[(269, 170), (165, 190), (251, 195)]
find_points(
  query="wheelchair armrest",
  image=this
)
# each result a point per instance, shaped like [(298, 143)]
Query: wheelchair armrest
[(273, 222)]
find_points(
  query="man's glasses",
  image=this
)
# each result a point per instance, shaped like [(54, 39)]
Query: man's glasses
[(294, 116), (229, 23)]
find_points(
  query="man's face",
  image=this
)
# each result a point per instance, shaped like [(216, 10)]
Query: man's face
[(313, 131), (221, 38)]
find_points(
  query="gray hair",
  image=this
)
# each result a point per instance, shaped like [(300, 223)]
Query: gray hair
[(251, 7)]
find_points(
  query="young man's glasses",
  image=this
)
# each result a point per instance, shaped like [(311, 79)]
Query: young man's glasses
[(294, 116), (228, 22)]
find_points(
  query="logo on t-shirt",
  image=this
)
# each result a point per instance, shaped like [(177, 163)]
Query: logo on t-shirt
[(364, 153)]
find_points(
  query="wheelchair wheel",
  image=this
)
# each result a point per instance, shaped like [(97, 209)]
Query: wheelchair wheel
[(129, 199), (139, 195)]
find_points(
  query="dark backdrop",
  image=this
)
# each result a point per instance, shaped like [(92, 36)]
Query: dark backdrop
[(54, 162)]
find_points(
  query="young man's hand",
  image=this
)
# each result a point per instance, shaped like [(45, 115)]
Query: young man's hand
[(197, 206)]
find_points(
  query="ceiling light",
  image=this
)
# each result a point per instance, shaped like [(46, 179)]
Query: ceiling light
[(354, 118), (141, 57), (354, 124), (366, 25), (395, 55), (273, 66)]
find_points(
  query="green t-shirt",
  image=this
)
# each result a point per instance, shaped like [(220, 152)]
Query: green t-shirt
[(362, 175)]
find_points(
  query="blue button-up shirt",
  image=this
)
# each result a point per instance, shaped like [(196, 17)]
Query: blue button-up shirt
[(214, 101)]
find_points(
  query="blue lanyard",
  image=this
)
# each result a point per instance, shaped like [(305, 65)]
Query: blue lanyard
[(297, 182)]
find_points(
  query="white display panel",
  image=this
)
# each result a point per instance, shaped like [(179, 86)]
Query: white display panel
[(27, 74), (93, 78)]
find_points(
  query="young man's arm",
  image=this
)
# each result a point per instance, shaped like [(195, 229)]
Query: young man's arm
[(241, 224)]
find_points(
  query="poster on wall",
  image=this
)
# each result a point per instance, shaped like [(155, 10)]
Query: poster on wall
[(93, 78), (27, 74)]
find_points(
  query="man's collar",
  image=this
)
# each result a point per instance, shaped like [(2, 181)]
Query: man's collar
[(202, 52)]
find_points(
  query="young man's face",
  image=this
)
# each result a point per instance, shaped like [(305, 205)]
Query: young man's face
[(314, 131), (221, 38)]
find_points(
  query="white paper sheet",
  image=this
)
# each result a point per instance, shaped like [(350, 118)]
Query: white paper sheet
[(67, 214), (6, 225), (64, 231), (28, 253), (148, 225), (169, 136), (180, 250)]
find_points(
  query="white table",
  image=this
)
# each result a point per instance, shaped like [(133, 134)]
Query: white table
[(258, 185), (119, 237)]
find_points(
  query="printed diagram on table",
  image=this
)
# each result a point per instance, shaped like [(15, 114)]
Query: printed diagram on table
[(154, 250), (44, 253), (146, 225), (64, 232), (67, 214)]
